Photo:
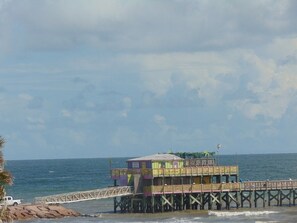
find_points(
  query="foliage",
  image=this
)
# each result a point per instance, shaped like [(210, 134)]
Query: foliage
[(2, 142), (5, 176), (192, 155), (5, 179)]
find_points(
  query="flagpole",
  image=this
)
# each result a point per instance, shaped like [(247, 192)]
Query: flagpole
[(218, 148)]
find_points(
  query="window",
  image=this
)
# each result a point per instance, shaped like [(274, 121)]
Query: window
[(135, 165), (143, 165), (175, 164)]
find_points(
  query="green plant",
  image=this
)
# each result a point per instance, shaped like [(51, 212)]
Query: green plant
[(5, 179)]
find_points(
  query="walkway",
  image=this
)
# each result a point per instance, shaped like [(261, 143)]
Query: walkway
[(85, 195)]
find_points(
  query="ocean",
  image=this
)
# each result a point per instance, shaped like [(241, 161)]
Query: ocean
[(35, 178)]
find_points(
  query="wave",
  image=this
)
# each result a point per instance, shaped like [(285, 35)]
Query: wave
[(53, 178), (266, 221), (239, 213)]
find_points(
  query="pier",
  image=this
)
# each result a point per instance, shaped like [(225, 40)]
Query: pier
[(214, 196), (166, 182), (169, 197)]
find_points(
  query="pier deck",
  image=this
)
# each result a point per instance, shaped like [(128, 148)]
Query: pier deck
[(218, 196)]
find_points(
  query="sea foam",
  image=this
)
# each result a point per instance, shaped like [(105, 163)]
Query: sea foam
[(239, 213)]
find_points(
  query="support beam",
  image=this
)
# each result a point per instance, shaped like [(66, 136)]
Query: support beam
[(216, 200), (260, 195), (206, 200), (115, 205), (194, 200), (226, 199), (246, 196), (234, 198), (285, 195), (274, 195), (294, 196), (166, 201)]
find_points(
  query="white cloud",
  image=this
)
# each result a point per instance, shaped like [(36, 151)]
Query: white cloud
[(159, 119), (282, 48), (143, 26), (25, 97), (273, 83), (36, 123), (202, 71), (78, 137), (162, 123), (271, 76), (124, 136), (127, 103), (78, 116), (216, 59), (66, 113)]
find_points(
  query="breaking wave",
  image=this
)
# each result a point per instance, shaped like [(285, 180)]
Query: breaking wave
[(239, 213)]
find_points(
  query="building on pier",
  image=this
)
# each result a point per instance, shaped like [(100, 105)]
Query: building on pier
[(165, 182)]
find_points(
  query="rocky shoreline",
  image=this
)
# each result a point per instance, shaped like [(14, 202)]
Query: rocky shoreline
[(31, 211)]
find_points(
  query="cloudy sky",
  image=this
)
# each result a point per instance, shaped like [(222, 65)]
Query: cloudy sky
[(129, 78)]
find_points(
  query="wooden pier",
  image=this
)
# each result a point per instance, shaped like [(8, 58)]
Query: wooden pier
[(188, 197), (214, 196)]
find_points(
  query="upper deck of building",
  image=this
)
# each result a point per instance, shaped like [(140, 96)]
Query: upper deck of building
[(170, 165)]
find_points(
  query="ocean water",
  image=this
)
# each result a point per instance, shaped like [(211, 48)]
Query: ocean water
[(34, 178)]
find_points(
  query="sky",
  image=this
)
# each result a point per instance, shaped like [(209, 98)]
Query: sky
[(113, 78)]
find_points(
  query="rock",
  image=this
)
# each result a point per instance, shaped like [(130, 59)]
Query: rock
[(26, 212)]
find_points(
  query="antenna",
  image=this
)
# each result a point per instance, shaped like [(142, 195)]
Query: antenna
[(218, 148)]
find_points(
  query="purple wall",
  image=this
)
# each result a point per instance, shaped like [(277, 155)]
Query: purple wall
[(138, 164)]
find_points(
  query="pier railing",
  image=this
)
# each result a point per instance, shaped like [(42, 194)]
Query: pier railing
[(191, 188), (85, 195), (171, 172), (269, 185), (222, 187)]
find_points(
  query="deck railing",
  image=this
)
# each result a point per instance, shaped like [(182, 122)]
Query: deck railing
[(193, 171), (191, 188), (174, 172), (269, 185), (222, 187)]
